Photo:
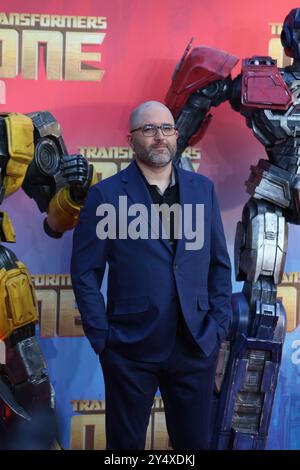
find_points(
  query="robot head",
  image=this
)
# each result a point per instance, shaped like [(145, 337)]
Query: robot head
[(290, 35)]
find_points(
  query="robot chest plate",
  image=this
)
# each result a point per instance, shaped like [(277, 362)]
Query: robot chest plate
[(284, 124), (281, 124)]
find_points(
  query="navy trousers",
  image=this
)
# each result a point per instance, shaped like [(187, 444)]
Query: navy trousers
[(185, 380)]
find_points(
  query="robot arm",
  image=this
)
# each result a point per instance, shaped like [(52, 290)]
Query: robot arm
[(56, 181), (17, 150), (64, 207), (201, 80)]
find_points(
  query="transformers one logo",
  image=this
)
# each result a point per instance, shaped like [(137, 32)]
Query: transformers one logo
[(28, 39), (275, 48), (109, 160), (59, 315), (289, 293), (88, 426)]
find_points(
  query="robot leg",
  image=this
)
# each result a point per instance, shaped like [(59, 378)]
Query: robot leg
[(257, 331), (25, 390)]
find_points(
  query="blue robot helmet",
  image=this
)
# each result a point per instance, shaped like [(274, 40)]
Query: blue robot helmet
[(290, 35)]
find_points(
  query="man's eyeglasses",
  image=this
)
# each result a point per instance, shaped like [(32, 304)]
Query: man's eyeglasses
[(150, 130)]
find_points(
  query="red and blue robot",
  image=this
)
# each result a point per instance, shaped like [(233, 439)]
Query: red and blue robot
[(269, 99)]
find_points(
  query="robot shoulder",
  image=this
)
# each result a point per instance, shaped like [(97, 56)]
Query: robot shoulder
[(195, 71), (263, 85)]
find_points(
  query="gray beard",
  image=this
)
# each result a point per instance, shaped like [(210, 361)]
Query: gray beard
[(152, 158)]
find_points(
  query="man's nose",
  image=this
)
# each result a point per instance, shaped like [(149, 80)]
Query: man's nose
[(159, 135)]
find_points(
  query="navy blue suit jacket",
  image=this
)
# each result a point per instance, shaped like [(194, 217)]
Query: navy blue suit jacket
[(146, 279)]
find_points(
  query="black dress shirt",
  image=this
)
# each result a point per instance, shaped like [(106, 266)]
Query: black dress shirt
[(169, 197)]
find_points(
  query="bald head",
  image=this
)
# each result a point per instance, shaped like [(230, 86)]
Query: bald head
[(143, 114)]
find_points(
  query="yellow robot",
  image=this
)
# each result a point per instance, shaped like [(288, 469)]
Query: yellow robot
[(33, 157)]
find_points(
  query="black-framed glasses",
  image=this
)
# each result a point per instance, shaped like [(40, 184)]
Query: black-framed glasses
[(150, 130)]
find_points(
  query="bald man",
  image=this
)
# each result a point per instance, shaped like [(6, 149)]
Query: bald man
[(168, 300)]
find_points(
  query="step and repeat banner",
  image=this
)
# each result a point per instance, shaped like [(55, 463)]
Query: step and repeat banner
[(90, 63)]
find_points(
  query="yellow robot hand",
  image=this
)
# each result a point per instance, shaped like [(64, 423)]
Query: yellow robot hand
[(64, 207)]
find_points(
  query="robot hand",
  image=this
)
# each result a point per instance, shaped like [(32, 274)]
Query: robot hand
[(78, 174), (64, 207)]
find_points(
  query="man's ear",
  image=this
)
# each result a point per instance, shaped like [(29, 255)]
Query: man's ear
[(129, 139)]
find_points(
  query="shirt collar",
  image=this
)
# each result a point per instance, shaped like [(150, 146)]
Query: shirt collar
[(172, 183)]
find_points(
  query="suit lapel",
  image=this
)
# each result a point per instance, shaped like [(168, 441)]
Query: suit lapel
[(137, 191), (187, 195)]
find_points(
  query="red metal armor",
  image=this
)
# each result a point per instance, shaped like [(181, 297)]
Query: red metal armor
[(200, 68), (263, 85)]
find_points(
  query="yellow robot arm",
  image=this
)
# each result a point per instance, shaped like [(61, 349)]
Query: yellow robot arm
[(20, 144), (63, 211), (20, 141)]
